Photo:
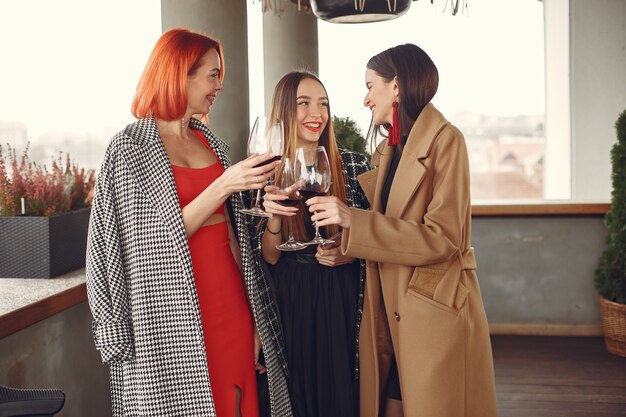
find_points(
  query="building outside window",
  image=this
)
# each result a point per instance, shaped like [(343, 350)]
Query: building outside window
[(69, 74), (492, 83), (69, 71)]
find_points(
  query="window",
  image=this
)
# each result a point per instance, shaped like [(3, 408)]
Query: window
[(69, 71), (492, 85)]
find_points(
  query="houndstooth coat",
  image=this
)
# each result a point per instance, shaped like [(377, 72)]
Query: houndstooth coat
[(141, 289)]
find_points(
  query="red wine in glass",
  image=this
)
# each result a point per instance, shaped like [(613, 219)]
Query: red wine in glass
[(291, 201), (265, 136), (274, 159), (288, 184), (306, 194), (314, 173)]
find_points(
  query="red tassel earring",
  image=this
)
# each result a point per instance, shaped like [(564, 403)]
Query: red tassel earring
[(394, 130)]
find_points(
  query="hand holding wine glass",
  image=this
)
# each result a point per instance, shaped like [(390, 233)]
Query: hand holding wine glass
[(250, 174), (313, 171), (272, 202)]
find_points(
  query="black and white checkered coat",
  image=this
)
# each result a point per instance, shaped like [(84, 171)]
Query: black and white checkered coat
[(354, 164), (142, 294)]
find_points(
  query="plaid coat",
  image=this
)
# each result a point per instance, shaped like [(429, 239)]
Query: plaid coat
[(141, 289)]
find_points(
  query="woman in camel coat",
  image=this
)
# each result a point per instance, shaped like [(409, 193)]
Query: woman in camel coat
[(424, 341)]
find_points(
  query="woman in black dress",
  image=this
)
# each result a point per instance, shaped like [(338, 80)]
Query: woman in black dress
[(318, 290)]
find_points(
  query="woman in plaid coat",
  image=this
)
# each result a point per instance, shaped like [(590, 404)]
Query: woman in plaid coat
[(143, 276), (318, 290)]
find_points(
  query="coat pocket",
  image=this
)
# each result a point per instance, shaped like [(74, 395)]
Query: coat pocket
[(422, 286)]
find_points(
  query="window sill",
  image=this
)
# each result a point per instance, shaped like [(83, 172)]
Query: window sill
[(540, 209), (26, 301)]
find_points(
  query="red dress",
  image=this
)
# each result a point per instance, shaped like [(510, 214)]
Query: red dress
[(226, 319)]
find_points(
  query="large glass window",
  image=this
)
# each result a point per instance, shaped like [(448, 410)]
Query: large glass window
[(492, 83), (69, 71)]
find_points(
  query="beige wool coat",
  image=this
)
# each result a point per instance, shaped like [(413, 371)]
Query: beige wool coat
[(422, 299)]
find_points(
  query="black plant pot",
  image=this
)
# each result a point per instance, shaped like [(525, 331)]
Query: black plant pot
[(349, 11), (43, 247)]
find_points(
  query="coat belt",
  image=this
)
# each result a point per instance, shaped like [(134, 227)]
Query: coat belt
[(467, 259)]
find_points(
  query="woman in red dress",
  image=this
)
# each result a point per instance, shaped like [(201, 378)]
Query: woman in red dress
[(159, 225), (226, 320), (203, 186)]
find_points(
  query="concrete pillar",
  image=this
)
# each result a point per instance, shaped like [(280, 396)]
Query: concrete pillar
[(225, 20), (557, 162), (289, 43), (598, 92)]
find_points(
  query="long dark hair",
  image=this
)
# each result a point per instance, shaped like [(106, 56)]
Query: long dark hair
[(417, 77)]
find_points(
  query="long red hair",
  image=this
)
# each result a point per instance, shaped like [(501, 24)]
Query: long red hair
[(162, 89), (284, 107)]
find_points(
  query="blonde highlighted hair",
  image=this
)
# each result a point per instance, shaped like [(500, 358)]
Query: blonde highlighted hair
[(285, 108)]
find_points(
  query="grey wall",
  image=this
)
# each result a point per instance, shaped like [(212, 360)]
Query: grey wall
[(539, 270), (289, 43), (59, 352), (225, 20), (598, 91)]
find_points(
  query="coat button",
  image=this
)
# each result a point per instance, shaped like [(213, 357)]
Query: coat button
[(396, 315)]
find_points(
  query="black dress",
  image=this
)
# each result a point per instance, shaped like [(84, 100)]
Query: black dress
[(318, 309)]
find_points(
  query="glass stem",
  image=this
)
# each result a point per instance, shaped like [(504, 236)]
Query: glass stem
[(317, 232), (257, 202), (289, 235)]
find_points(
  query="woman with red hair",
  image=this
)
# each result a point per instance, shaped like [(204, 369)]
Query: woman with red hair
[(168, 250)]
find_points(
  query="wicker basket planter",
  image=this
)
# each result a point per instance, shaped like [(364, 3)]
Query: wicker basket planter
[(614, 326), (43, 247)]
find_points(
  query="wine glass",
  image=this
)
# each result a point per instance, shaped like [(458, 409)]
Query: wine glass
[(289, 185), (264, 137), (313, 171)]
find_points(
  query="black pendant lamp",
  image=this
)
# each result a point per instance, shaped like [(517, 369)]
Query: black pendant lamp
[(359, 11)]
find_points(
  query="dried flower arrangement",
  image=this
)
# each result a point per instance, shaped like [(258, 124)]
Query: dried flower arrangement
[(29, 189)]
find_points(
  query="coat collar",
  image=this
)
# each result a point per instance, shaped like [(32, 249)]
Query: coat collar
[(218, 145), (151, 168), (411, 170), (150, 165)]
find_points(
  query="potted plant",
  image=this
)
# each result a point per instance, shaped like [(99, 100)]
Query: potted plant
[(610, 279), (44, 216)]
